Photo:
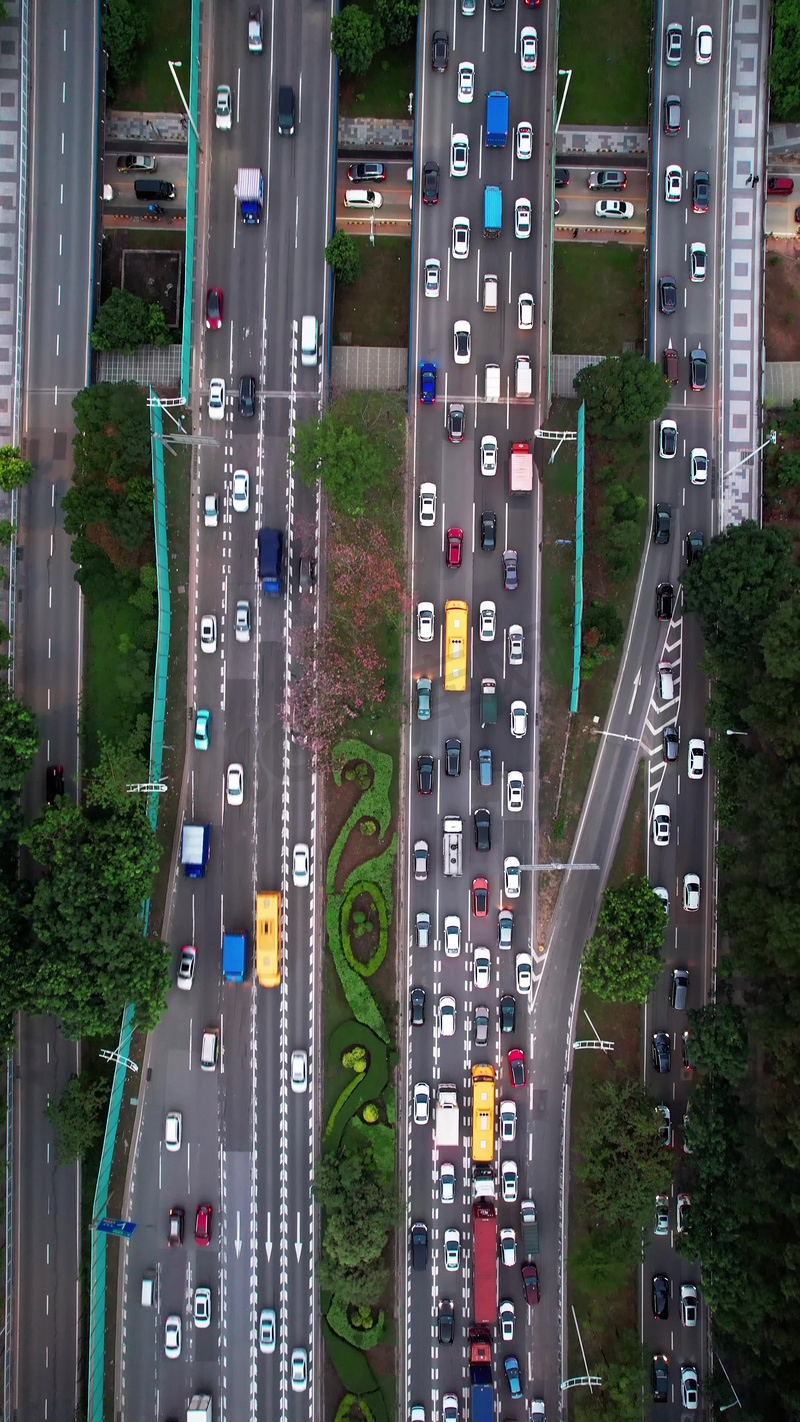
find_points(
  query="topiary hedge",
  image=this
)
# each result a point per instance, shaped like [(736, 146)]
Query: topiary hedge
[(359, 1337), (366, 1085), (365, 970)]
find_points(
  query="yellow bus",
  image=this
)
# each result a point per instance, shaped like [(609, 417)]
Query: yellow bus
[(483, 1112), (268, 939), (455, 646)]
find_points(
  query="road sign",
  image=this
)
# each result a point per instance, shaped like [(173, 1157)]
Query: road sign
[(123, 1227)]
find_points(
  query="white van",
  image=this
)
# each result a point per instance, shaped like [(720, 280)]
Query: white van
[(148, 1291), (522, 376), (490, 293), (209, 1049), (666, 685), (309, 340), (362, 197), (493, 383)]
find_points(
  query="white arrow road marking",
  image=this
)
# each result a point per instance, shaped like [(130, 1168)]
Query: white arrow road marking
[(268, 1242), (298, 1243), (637, 681), (238, 1240)]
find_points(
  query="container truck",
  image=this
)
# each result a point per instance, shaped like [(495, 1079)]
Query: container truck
[(496, 119), (492, 212), (270, 561), (484, 1261), (530, 1229), (451, 845), (234, 957), (199, 1409), (488, 702), (250, 192), (480, 1375), (520, 468), (448, 1126), (195, 842)]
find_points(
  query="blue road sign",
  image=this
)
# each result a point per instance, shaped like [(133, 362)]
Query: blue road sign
[(123, 1227)]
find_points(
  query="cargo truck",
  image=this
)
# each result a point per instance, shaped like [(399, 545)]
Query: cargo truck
[(484, 1261), (496, 119), (480, 1375), (488, 702), (195, 842), (448, 1127), (530, 1229), (492, 212), (234, 957), (451, 846), (483, 1185), (270, 561), (250, 192), (199, 1409), (520, 468)]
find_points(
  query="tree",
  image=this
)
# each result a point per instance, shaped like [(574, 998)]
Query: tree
[(623, 959), (784, 82), (790, 424), (342, 256), (158, 332), (19, 742), (113, 431), (624, 1164), (398, 19), (14, 470), (344, 459), (719, 1040), (77, 1117), (355, 38), (125, 321), (601, 1264), (359, 1210), (624, 1382), (124, 29), (741, 577), (786, 469), (7, 531), (621, 393)]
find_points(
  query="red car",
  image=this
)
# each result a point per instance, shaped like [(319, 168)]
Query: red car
[(202, 1224), (480, 897), (530, 1284), (516, 1066), (455, 543), (213, 308)]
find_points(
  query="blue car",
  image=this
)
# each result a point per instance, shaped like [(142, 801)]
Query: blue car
[(513, 1376), (427, 382), (202, 725), (424, 698)]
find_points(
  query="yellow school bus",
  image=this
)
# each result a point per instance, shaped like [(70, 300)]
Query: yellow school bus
[(483, 1112), (268, 939), (455, 646)]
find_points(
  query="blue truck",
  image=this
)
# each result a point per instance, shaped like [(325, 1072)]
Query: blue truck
[(270, 561), (492, 212), (250, 192), (195, 843), (496, 119), (234, 957)]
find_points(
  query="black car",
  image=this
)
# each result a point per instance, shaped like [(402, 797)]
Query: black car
[(483, 830), (508, 1012), (447, 1321), (54, 783), (366, 172), (307, 572), (425, 773), (455, 424), (660, 1296), (440, 50), (662, 519), (430, 182), (513, 1376), (701, 184), (481, 1026), (660, 1378), (671, 741), (662, 1057), (667, 295), (665, 601), (452, 756), (698, 365), (488, 531), (247, 396), (417, 1006), (695, 543), (561, 177), (687, 1049), (510, 578), (672, 114), (419, 1245)]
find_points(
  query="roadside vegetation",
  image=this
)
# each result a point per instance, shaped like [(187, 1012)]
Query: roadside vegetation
[(784, 80), (141, 36), (607, 47), (374, 42), (598, 298), (359, 320)]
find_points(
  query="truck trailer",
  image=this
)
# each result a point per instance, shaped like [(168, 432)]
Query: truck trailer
[(195, 843), (488, 701), (530, 1229), (448, 1122), (496, 119), (199, 1409), (492, 212), (451, 845), (484, 1261)]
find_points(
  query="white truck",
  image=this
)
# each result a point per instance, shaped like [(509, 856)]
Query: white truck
[(199, 1409), (448, 1127), (483, 1186), (451, 845)]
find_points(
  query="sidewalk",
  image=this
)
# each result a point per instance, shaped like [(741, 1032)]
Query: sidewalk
[(147, 128), (602, 140)]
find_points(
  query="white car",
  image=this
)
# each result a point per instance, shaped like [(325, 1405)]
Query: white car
[(509, 1180), (241, 491), (508, 1120), (234, 784), (661, 1226), (421, 859), (299, 1370), (613, 207), (211, 510), (422, 1103), (697, 261), (698, 466), (267, 1330), (690, 1394), (519, 719), (488, 454), (241, 624), (433, 270), (459, 155), (452, 1250), (452, 936), (462, 342), (524, 141), (662, 894), (525, 310), (506, 1314), (508, 1247), (173, 1130), (425, 621), (512, 879), (661, 823), (697, 759), (427, 505), (208, 633), (460, 247), (298, 1071), (703, 44), (516, 645), (522, 218), (488, 621), (447, 1183), (202, 1307), (172, 1336), (515, 790), (673, 183), (301, 866), (186, 967), (447, 1017), (528, 49), (224, 108), (482, 967), (691, 892), (689, 1305), (524, 973), (466, 82), (216, 399)]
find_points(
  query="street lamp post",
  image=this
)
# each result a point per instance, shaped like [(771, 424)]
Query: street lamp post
[(173, 65), (772, 439), (562, 74), (736, 733)]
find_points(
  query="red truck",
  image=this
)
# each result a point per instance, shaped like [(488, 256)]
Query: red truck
[(520, 468), (484, 1261)]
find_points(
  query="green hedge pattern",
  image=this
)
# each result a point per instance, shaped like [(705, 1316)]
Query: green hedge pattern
[(365, 970), (362, 1338), (365, 1086)]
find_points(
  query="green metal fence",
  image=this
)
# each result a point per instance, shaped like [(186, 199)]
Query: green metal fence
[(576, 648), (191, 198)]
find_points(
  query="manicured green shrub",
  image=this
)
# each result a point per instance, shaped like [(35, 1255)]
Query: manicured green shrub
[(354, 1371), (381, 1138), (339, 1321), (367, 1086), (344, 1410), (368, 827), (365, 970)]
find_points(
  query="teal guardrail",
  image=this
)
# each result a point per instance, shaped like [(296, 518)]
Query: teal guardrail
[(576, 647), (191, 203)]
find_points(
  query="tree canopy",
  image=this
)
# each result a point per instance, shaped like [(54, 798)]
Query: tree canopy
[(124, 27), (355, 39), (359, 1211), (624, 1163), (621, 393), (19, 742), (342, 256), (125, 321), (623, 959), (78, 1116), (14, 470), (398, 19), (784, 79)]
